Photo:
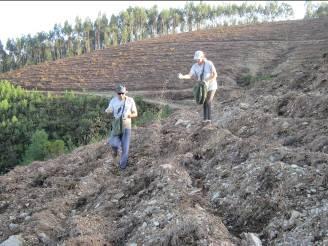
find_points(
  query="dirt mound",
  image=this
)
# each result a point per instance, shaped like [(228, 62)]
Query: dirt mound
[(81, 198), (186, 184)]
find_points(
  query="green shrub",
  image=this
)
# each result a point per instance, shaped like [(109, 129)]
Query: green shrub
[(249, 80), (55, 148), (38, 149)]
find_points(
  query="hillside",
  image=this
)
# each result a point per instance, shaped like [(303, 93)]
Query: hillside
[(258, 172), (154, 63)]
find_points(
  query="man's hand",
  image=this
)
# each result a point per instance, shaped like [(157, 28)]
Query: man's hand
[(107, 110), (180, 76)]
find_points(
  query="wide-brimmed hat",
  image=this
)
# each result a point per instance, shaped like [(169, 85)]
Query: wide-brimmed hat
[(121, 89)]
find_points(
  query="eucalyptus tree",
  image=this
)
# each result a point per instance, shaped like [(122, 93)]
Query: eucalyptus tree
[(271, 10), (19, 53), (189, 10), (59, 40), (3, 59), (68, 31), (29, 49), (322, 10), (285, 10), (22, 46), (219, 14), (163, 22), (152, 14), (52, 40), (87, 28), (104, 27), (176, 17), (231, 12), (124, 22), (248, 13), (201, 14), (315, 10), (107, 37), (139, 22), (309, 9), (130, 24), (78, 30), (113, 31), (12, 50), (42, 46), (97, 27)]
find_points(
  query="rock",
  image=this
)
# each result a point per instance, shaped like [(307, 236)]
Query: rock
[(242, 130), (27, 218), (156, 223), (169, 216), (285, 125), (183, 123), (276, 156), (166, 166), (118, 196), (22, 215), (215, 196), (43, 238), (295, 214), (290, 140), (244, 106), (13, 226), (250, 239), (14, 240)]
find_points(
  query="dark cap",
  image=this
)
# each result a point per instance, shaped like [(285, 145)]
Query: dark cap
[(121, 89)]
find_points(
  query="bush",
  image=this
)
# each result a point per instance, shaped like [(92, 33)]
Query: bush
[(249, 80), (38, 149), (55, 148)]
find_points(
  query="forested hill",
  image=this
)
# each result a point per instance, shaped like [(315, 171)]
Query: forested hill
[(237, 52)]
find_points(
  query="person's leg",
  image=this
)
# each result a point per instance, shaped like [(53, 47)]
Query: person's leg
[(205, 110), (208, 102), (115, 143), (125, 148)]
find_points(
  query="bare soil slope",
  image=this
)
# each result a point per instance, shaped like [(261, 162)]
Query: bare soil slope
[(154, 64), (258, 172)]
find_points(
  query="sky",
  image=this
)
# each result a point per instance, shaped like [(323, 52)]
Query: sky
[(18, 18)]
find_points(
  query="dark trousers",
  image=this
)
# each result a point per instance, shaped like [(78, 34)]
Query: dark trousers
[(207, 105)]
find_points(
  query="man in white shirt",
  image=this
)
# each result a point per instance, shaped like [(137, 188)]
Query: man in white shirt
[(206, 68), (125, 107)]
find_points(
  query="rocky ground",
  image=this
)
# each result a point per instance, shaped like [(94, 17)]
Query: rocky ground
[(257, 175)]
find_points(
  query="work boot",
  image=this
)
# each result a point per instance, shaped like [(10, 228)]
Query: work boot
[(206, 122)]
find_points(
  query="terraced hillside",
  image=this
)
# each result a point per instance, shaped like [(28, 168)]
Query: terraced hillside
[(273, 48)]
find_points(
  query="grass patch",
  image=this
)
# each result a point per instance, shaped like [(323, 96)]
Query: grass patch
[(250, 80), (148, 112)]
